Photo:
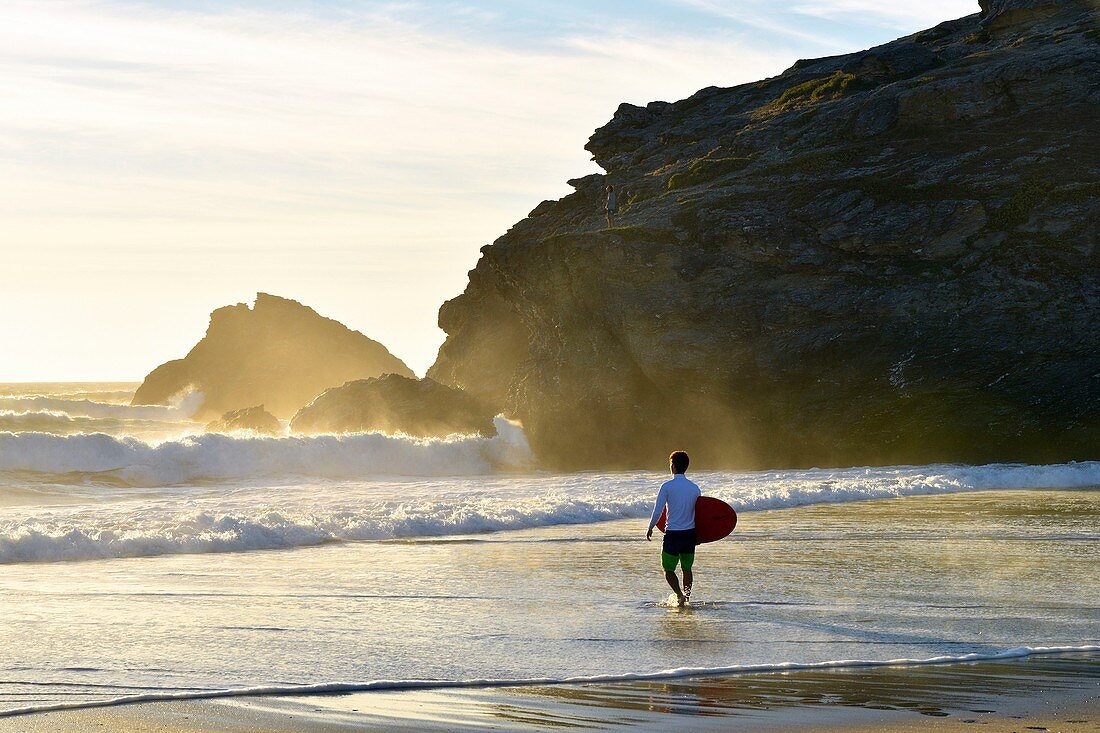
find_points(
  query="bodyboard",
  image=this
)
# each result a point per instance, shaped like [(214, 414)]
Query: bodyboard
[(714, 519)]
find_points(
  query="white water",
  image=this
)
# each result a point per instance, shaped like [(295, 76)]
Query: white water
[(666, 674), (214, 517), (84, 407), (218, 457), (183, 563)]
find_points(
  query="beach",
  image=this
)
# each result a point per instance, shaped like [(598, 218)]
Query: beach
[(355, 350), (236, 578), (1054, 693)]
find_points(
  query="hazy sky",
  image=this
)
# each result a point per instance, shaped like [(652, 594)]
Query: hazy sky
[(161, 159)]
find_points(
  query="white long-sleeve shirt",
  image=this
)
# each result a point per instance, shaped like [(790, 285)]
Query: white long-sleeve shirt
[(680, 495)]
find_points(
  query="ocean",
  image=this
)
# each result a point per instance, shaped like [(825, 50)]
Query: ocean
[(143, 558)]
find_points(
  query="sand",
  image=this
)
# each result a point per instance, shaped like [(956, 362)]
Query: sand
[(1060, 693)]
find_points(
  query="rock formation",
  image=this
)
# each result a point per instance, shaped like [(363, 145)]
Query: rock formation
[(886, 256), (256, 419), (395, 404), (279, 353)]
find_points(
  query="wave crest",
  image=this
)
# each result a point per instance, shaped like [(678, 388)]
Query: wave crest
[(243, 519), (62, 423), (158, 532), (216, 456), (182, 410)]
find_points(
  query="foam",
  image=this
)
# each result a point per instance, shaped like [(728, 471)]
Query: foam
[(785, 489), (486, 683), (182, 410), (35, 421), (219, 457), (240, 518), (152, 531), (110, 396), (62, 423)]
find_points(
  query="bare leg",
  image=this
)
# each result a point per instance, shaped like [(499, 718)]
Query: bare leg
[(674, 583), (609, 220), (688, 577)]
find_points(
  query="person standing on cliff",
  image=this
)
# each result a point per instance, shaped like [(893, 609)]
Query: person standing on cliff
[(679, 495), (612, 206)]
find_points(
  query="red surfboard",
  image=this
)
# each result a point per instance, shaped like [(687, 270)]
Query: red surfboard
[(714, 519)]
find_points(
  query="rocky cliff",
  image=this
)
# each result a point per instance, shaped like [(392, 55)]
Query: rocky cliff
[(278, 353), (886, 256)]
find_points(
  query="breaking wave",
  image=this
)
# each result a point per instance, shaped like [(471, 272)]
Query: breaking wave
[(62, 423), (110, 396), (47, 421), (264, 517), (152, 532), (216, 457), (183, 410)]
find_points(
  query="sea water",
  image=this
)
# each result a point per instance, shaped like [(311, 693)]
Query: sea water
[(143, 557)]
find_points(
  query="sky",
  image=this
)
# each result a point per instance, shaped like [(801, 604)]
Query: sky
[(160, 159)]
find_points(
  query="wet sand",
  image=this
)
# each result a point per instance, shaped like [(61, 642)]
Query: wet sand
[(1041, 693)]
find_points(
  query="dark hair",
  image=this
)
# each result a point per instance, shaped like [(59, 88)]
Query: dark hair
[(679, 461)]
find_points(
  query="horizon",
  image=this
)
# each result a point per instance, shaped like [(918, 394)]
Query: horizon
[(173, 159), (839, 255)]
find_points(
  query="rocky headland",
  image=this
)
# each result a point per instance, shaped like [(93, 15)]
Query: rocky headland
[(396, 404), (882, 257), (278, 353)]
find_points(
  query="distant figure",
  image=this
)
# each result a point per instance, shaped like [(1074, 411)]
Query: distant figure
[(680, 496), (612, 204)]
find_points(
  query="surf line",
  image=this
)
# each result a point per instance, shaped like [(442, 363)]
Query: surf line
[(668, 674)]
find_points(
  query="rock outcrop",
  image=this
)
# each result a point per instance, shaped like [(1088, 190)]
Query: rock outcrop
[(255, 419), (279, 353), (395, 404), (886, 256)]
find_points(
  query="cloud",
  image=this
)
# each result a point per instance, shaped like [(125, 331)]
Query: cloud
[(353, 158), (909, 16), (183, 95), (760, 16), (802, 21)]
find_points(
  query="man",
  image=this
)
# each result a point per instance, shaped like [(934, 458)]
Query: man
[(612, 206), (680, 496)]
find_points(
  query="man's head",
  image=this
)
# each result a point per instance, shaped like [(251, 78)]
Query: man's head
[(678, 462)]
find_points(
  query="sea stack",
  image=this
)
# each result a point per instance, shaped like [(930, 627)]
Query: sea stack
[(278, 353)]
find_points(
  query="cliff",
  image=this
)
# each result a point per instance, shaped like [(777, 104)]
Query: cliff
[(278, 353), (882, 257)]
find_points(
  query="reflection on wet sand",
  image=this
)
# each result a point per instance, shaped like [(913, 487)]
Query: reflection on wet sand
[(1056, 693), (933, 690), (979, 692)]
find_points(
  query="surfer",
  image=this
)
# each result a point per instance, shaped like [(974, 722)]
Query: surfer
[(680, 495)]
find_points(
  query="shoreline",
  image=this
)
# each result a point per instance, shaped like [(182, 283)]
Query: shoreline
[(1042, 691), (662, 676), (935, 580)]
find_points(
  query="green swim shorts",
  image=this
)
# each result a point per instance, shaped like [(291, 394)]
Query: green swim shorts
[(678, 547), (685, 559)]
